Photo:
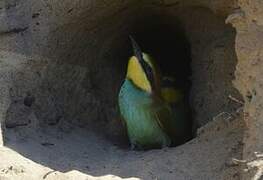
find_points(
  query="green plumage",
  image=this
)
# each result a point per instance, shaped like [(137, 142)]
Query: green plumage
[(151, 122), (181, 110), (152, 119), (142, 115)]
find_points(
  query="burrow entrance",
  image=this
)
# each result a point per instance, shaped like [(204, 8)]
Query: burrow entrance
[(61, 104), (75, 80)]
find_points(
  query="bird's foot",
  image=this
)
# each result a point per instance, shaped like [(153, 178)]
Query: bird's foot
[(133, 147)]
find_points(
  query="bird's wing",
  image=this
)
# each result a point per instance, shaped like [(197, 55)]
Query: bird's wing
[(164, 117), (123, 122)]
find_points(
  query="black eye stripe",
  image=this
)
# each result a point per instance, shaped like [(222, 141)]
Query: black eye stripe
[(149, 72), (168, 83), (136, 49), (146, 67)]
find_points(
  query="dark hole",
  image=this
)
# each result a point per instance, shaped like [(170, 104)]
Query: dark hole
[(29, 100), (166, 42), (169, 46)]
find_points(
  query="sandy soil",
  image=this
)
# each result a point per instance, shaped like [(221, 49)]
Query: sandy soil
[(74, 34), (75, 153)]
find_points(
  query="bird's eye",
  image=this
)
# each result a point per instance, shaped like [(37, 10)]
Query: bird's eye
[(149, 72)]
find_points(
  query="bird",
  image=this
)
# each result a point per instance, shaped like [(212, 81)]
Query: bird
[(149, 119), (175, 96), (170, 91)]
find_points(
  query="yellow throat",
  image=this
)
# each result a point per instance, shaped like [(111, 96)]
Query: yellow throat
[(137, 75), (171, 95)]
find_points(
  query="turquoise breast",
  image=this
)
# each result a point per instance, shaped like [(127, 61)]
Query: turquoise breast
[(137, 110)]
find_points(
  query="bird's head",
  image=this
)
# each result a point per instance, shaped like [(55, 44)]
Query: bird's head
[(170, 92), (141, 70)]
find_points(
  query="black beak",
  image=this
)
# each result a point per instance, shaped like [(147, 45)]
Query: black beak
[(146, 67), (136, 49)]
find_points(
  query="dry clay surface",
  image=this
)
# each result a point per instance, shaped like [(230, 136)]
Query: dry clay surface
[(77, 154), (70, 152)]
